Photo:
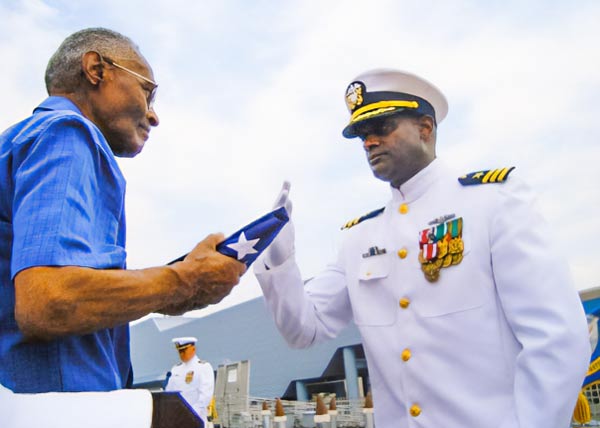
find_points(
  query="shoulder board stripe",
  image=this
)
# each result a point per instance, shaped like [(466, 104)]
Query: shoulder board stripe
[(504, 174), (498, 175), (364, 217)]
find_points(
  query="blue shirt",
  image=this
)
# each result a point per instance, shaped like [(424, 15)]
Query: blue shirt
[(61, 204)]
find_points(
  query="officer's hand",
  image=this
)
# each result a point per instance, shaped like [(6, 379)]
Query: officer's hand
[(206, 276), (282, 246)]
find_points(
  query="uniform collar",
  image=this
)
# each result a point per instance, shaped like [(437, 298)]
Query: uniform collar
[(191, 361), (417, 185)]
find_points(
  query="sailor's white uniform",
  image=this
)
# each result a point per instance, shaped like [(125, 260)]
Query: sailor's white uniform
[(195, 379), (499, 340)]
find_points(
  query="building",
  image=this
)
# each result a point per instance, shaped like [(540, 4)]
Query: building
[(247, 332)]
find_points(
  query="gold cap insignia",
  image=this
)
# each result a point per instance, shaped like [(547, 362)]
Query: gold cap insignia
[(354, 95)]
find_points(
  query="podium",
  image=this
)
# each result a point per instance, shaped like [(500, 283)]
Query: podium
[(127, 408), (170, 410)]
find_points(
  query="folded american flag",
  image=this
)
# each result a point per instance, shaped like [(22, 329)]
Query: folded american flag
[(251, 240)]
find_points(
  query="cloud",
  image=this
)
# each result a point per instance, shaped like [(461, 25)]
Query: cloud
[(250, 96)]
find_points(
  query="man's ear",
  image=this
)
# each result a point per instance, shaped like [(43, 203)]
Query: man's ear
[(426, 127), (92, 67)]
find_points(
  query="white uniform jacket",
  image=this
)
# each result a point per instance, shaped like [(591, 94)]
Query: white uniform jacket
[(196, 381), (498, 341)]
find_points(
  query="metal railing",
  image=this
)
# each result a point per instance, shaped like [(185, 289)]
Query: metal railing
[(299, 413), (350, 412)]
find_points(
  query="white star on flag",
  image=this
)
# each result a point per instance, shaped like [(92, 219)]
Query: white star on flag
[(243, 246)]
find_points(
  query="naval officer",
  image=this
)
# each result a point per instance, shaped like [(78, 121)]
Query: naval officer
[(193, 377), (466, 309)]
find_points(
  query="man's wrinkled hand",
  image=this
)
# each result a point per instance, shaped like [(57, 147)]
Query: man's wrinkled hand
[(206, 276)]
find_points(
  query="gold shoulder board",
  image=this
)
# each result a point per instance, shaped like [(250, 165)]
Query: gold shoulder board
[(498, 175), (362, 218)]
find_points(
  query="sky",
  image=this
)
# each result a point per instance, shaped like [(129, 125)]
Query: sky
[(251, 93)]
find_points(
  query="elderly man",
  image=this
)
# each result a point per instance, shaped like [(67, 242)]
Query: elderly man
[(192, 377), (465, 306), (65, 294)]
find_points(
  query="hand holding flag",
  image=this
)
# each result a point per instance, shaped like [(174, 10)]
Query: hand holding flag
[(250, 241)]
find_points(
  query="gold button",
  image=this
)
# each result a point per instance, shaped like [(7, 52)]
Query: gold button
[(403, 208), (406, 355), (404, 302), (402, 253), (415, 410)]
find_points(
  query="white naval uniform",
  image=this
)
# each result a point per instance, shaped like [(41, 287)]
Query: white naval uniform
[(199, 387), (499, 341)]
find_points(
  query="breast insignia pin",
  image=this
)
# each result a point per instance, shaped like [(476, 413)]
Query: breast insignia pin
[(374, 251)]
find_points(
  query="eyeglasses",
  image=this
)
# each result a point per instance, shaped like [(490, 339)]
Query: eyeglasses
[(151, 93)]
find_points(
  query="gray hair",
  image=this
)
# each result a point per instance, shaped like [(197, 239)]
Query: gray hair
[(63, 73)]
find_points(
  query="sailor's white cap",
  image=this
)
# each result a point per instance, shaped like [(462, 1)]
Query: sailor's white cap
[(184, 342), (383, 92)]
